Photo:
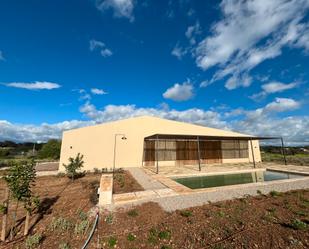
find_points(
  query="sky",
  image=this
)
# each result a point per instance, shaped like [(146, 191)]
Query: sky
[(231, 64)]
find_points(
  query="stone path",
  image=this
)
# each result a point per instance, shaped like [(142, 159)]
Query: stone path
[(146, 181)]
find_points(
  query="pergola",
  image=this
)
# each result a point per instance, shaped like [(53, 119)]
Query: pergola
[(199, 138)]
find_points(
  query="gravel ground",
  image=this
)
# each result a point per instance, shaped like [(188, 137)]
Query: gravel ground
[(144, 180), (197, 199)]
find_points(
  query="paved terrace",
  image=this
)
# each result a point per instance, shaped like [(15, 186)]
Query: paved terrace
[(171, 195)]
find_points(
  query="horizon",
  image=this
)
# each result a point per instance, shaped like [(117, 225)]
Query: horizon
[(71, 64)]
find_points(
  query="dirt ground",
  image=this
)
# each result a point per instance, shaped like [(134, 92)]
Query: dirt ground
[(272, 221), (61, 200), (124, 182)]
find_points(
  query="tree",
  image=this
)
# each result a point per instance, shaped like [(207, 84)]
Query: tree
[(20, 180), (74, 165), (51, 149)]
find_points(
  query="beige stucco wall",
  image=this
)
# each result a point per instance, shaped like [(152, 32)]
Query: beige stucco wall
[(96, 143)]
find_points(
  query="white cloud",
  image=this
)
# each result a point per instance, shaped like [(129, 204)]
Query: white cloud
[(97, 91), (192, 32), (33, 133), (273, 87), (262, 121), (179, 92), (236, 81), (116, 112), (1, 56), (38, 85), (98, 45), (121, 8), (179, 52), (281, 105), (251, 32)]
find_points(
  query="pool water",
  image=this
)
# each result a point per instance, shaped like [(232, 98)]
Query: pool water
[(232, 179)]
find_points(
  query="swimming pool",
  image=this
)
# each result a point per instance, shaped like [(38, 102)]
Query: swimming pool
[(209, 181)]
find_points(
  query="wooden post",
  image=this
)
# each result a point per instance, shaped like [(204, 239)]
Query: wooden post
[(27, 222), (5, 215), (283, 150), (157, 159), (252, 153), (199, 153)]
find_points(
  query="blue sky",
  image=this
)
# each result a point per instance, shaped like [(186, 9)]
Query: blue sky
[(239, 65)]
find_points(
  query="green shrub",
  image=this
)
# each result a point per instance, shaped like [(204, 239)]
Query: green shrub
[(109, 218), (81, 227), (82, 215), (274, 193), (33, 241), (112, 242), (298, 224), (185, 213), (132, 213), (164, 234), (131, 237), (74, 165), (152, 237), (61, 224)]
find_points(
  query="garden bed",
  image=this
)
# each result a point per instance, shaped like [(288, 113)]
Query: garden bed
[(124, 182), (273, 221), (60, 219)]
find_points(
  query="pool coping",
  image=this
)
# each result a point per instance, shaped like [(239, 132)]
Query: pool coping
[(182, 189), (176, 192)]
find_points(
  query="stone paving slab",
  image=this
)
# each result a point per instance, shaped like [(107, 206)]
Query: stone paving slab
[(146, 181)]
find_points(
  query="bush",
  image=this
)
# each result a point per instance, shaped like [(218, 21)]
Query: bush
[(112, 241), (186, 213), (33, 241), (61, 224), (82, 227), (132, 213), (131, 237), (74, 165), (298, 225), (51, 150)]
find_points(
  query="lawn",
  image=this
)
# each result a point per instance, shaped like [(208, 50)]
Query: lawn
[(273, 221)]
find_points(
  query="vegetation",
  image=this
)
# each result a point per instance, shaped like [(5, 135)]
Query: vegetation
[(298, 224), (112, 242), (60, 224), (50, 150), (132, 213), (185, 213), (74, 165), (294, 155), (20, 179), (33, 241)]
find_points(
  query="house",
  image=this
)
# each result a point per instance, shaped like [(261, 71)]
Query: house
[(151, 141)]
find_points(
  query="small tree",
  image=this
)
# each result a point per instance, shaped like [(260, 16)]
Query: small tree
[(20, 179), (74, 165)]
